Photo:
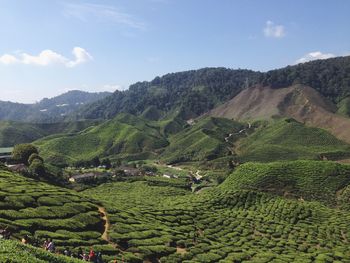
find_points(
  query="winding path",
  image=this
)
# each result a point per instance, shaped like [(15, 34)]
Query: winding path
[(107, 225)]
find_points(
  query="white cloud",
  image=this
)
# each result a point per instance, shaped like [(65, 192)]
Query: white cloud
[(314, 56), (81, 56), (86, 11), (272, 30), (47, 57)]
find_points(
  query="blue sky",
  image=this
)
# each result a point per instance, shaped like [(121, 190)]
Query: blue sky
[(49, 47)]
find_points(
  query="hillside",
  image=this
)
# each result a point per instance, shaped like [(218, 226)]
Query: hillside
[(13, 251), (48, 110), (188, 93), (310, 180), (125, 136), (12, 133), (33, 208), (287, 139), (300, 102), (205, 140), (192, 93), (225, 224)]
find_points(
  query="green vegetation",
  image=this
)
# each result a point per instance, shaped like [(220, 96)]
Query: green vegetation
[(344, 107), (22, 152), (12, 133), (171, 224), (205, 140), (192, 93), (11, 251), (48, 110), (125, 135), (33, 208), (309, 180), (288, 139)]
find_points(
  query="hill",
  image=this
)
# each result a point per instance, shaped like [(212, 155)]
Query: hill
[(30, 207), (204, 140), (169, 224), (310, 180), (48, 110), (12, 133), (287, 139), (299, 102), (192, 93), (125, 136)]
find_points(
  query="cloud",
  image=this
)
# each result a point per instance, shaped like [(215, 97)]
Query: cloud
[(8, 59), (81, 56), (47, 57), (86, 11), (274, 31), (314, 56)]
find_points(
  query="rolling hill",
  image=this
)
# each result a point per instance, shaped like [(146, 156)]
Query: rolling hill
[(124, 136), (288, 139), (12, 133)]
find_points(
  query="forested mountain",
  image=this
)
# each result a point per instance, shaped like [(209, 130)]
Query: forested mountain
[(192, 93), (48, 110)]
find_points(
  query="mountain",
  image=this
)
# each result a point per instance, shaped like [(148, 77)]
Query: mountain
[(186, 94), (300, 102), (48, 110), (189, 94), (12, 133)]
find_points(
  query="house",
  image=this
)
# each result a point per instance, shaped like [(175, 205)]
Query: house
[(86, 177), (5, 154), (19, 168)]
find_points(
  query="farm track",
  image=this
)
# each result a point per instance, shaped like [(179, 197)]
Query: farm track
[(107, 226)]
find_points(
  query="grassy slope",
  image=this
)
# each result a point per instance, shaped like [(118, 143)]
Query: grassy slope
[(41, 210), (221, 225), (311, 180), (124, 135), (204, 140), (288, 139), (12, 133)]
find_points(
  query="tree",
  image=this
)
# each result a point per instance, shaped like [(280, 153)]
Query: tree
[(22, 152), (37, 168), (34, 156), (95, 162)]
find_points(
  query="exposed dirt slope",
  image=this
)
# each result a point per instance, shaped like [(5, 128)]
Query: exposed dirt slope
[(299, 102)]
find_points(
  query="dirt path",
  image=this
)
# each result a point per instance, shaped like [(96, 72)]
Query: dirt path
[(107, 225)]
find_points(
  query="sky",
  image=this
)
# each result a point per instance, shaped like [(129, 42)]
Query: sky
[(50, 47)]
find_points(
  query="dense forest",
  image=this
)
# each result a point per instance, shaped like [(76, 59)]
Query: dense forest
[(192, 93)]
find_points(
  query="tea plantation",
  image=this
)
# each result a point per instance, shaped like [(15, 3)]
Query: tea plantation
[(33, 208), (14, 252), (227, 224)]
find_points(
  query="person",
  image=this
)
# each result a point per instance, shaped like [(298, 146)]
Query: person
[(25, 240), (85, 257), (67, 252), (92, 255), (80, 253), (51, 246), (46, 242), (99, 258)]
